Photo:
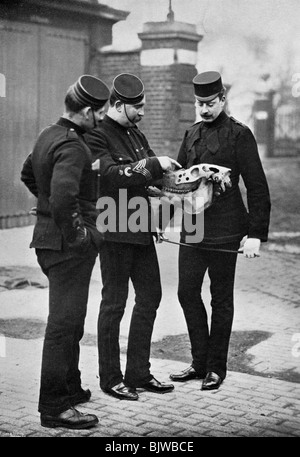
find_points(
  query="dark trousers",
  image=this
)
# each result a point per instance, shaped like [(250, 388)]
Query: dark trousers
[(69, 278), (209, 343), (121, 262)]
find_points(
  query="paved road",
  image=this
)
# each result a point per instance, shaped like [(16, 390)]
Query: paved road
[(263, 404)]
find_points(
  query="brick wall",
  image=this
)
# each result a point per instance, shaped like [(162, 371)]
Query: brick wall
[(170, 106), (108, 64), (162, 108)]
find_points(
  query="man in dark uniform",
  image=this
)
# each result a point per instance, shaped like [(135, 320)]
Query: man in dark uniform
[(221, 140), (127, 166), (59, 173)]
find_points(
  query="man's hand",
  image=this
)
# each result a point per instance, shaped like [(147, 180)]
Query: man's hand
[(153, 191), (160, 236), (167, 163), (82, 240), (33, 211), (251, 247), (220, 183)]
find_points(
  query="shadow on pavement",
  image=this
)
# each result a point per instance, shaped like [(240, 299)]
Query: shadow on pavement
[(173, 347)]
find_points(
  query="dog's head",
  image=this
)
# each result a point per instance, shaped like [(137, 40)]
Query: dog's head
[(203, 180)]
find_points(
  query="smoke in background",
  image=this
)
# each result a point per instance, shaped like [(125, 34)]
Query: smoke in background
[(255, 44)]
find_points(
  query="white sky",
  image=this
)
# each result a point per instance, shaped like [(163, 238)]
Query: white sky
[(241, 38)]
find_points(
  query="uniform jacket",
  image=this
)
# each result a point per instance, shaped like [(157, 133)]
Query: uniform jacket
[(127, 167), (59, 173), (229, 143)]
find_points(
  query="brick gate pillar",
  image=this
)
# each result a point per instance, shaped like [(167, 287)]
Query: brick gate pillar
[(168, 64)]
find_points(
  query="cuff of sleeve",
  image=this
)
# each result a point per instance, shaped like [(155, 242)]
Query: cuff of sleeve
[(262, 238)]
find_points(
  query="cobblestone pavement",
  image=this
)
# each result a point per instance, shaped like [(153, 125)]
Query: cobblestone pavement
[(264, 404)]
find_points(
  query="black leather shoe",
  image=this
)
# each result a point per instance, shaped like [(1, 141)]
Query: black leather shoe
[(122, 392), (69, 419), (185, 375), (82, 396), (211, 381), (157, 387)]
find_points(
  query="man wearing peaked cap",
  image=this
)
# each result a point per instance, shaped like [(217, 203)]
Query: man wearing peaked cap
[(128, 88), (90, 91), (128, 167), (59, 173), (221, 140), (207, 85)]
